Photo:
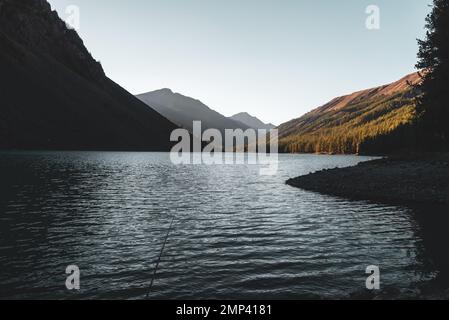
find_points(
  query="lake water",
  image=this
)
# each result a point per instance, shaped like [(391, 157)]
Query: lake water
[(236, 234)]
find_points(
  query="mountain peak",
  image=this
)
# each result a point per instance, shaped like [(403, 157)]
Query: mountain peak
[(243, 114), (164, 90), (251, 121), (32, 24), (184, 110)]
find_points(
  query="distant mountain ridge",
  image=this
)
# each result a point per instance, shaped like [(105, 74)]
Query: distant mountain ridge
[(183, 110), (252, 121), (54, 95), (376, 120)]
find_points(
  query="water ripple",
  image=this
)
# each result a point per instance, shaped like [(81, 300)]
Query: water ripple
[(236, 234)]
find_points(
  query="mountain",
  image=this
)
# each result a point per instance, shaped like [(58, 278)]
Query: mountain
[(54, 95), (373, 121), (251, 121), (183, 111)]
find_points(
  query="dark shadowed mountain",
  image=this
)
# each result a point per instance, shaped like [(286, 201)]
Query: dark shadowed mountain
[(373, 121), (251, 121), (54, 95), (183, 110)]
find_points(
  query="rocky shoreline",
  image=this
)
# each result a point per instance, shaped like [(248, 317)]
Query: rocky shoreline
[(409, 180)]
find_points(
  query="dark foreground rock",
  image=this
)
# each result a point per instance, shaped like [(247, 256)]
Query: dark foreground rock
[(55, 96), (396, 180)]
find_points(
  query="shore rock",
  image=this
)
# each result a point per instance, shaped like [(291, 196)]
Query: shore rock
[(396, 180)]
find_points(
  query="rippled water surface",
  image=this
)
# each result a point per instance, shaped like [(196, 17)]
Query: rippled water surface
[(236, 234)]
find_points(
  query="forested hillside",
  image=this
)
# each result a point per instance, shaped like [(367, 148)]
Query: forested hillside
[(373, 121)]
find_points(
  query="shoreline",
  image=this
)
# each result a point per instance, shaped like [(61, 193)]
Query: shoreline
[(404, 180)]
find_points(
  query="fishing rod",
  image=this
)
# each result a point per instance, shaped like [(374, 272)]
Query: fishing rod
[(159, 258)]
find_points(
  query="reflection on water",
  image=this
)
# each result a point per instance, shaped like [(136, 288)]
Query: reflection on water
[(236, 234)]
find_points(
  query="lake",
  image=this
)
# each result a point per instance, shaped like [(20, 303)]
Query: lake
[(236, 234)]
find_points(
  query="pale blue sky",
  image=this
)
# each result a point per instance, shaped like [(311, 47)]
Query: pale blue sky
[(276, 59)]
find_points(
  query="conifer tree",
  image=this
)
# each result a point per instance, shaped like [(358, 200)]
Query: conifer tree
[(433, 61)]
